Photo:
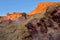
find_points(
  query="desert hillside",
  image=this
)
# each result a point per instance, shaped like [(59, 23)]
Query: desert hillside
[(43, 23)]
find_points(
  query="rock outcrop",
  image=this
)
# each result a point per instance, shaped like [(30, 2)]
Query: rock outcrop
[(48, 27), (42, 6)]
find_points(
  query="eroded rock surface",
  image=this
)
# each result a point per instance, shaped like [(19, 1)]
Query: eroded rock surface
[(43, 28), (47, 28)]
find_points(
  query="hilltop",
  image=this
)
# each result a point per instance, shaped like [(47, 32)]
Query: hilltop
[(40, 7)]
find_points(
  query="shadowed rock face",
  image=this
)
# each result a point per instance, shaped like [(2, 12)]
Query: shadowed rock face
[(5, 22), (19, 20), (47, 27), (54, 13), (56, 16)]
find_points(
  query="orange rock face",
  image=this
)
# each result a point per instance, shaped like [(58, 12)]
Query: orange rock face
[(14, 15), (41, 6)]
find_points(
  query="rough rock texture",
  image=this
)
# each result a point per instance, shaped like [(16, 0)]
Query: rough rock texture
[(41, 26), (47, 28)]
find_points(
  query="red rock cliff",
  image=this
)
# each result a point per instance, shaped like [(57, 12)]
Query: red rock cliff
[(41, 6), (12, 16)]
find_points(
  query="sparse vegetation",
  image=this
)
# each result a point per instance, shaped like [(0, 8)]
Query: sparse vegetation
[(41, 26)]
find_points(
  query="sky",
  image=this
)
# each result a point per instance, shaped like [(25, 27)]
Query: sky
[(19, 5)]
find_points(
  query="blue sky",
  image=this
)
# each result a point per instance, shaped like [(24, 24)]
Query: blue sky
[(19, 5)]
